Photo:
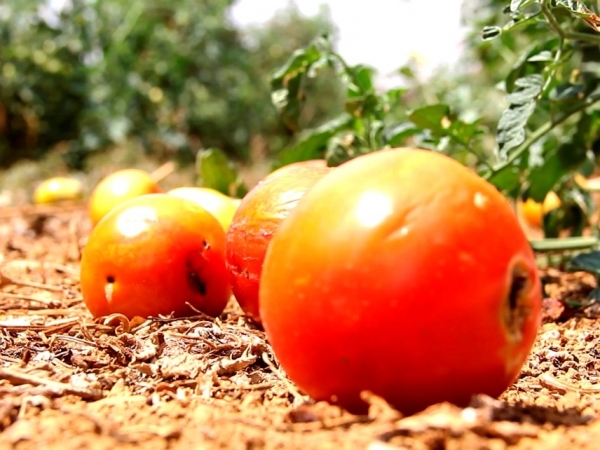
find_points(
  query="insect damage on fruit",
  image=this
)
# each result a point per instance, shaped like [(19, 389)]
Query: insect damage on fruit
[(155, 254), (109, 288), (195, 282), (518, 307)]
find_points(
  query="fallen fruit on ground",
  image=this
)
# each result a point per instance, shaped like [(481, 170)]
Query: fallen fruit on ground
[(256, 220), (405, 274), (57, 189), (218, 204), (533, 212), (155, 254), (118, 187), (317, 164)]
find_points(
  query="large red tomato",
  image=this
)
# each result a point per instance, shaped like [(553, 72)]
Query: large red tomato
[(257, 218), (402, 273), (155, 254)]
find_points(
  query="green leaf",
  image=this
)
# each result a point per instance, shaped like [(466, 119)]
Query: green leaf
[(286, 84), (515, 4), (531, 61), (526, 89), (392, 96), (431, 117), (543, 56), (518, 4), (312, 143), (567, 91), (576, 7), (507, 180), (463, 132), (511, 128), (360, 80), (216, 171), (343, 147), (512, 125), (407, 72), (367, 106), (569, 156), (542, 179), (588, 262), (398, 133), (362, 101)]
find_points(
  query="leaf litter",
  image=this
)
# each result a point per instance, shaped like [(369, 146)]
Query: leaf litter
[(70, 381)]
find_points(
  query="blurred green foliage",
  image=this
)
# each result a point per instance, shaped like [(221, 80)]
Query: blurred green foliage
[(176, 76), (521, 107)]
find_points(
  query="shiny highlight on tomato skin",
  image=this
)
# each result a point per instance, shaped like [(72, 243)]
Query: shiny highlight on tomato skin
[(394, 274), (155, 254)]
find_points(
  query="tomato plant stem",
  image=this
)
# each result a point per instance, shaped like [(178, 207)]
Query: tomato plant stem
[(562, 244)]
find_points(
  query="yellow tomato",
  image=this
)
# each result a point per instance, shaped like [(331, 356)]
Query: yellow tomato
[(218, 204), (117, 187), (57, 189), (533, 212)]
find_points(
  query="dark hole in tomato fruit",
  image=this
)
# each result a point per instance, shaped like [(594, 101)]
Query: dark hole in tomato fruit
[(517, 308), (205, 244), (110, 279), (197, 284), (518, 284)]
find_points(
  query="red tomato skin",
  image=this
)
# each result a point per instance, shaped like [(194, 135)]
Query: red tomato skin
[(178, 258), (256, 220), (403, 293)]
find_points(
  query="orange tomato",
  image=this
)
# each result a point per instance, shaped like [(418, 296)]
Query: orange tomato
[(533, 212), (405, 274), (310, 164), (155, 254), (118, 187), (257, 219)]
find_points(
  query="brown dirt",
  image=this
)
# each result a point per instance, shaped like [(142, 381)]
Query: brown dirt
[(68, 381)]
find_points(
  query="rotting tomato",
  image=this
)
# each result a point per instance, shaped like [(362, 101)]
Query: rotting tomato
[(257, 218), (117, 188), (155, 254), (404, 274)]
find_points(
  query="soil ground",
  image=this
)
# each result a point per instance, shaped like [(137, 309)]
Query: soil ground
[(69, 381)]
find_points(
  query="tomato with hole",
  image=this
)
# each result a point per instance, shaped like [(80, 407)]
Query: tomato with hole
[(404, 274), (118, 187), (155, 254), (218, 204), (256, 220)]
